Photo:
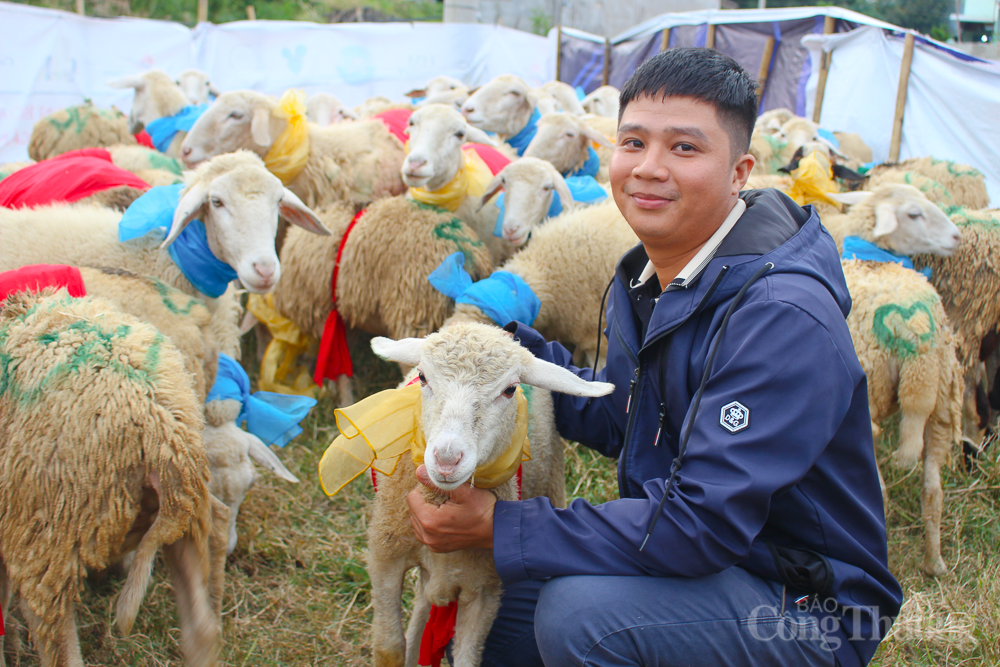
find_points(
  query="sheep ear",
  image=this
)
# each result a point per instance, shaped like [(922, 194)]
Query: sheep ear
[(495, 186), (347, 112), (212, 90), (565, 196), (263, 455), (133, 81), (885, 220), (850, 198), (546, 375), (404, 351), (187, 210), (476, 136), (597, 137), (416, 92), (260, 126), (294, 211)]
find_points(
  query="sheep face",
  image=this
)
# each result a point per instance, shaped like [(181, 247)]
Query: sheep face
[(503, 105), (602, 102), (564, 97), (325, 109), (563, 139), (437, 133), (156, 96), (196, 86), (453, 98), (469, 374), (528, 185), (241, 119)]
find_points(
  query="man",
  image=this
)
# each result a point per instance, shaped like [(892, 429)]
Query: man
[(750, 529)]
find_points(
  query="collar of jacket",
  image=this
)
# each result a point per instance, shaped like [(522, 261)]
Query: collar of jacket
[(773, 229)]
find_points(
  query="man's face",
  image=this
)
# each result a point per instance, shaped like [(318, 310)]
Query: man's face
[(672, 172)]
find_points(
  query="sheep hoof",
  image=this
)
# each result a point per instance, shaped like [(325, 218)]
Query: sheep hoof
[(905, 459), (935, 567), (389, 658)]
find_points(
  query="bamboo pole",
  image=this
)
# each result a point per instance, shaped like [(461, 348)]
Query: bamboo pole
[(558, 52), (824, 69), (765, 68), (202, 11), (665, 41), (904, 84), (607, 60), (79, 8), (251, 13), (710, 36)]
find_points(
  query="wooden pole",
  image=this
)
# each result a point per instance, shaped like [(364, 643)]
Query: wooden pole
[(665, 41), (79, 8), (904, 84), (558, 53), (202, 11), (765, 68), (824, 69), (251, 13), (607, 60), (710, 37)]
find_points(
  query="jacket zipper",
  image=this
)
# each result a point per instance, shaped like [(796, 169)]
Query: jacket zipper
[(622, 476)]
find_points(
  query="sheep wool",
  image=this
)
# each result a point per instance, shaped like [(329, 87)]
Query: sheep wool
[(83, 126), (966, 185), (95, 409)]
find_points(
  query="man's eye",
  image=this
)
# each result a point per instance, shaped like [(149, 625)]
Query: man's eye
[(685, 148), (632, 143)]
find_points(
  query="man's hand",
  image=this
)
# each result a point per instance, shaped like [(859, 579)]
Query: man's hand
[(464, 521)]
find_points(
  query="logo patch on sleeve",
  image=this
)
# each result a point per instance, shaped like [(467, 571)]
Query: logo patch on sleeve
[(735, 417)]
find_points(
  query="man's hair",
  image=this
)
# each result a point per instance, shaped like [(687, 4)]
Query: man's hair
[(705, 75)]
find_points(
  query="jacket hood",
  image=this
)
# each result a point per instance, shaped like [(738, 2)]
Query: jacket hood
[(772, 229)]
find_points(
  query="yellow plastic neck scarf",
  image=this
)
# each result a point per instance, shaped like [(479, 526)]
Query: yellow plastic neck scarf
[(279, 370), (471, 180), (290, 152), (813, 180), (375, 432)]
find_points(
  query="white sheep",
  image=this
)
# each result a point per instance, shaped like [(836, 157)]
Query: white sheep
[(73, 128), (966, 185), (506, 105), (603, 102), (435, 158), (156, 96), (325, 109), (567, 142), (455, 97), (197, 86), (470, 374), (439, 84), (529, 184), (102, 454), (563, 97), (355, 162)]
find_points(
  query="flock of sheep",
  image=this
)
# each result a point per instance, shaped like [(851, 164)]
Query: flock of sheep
[(332, 217)]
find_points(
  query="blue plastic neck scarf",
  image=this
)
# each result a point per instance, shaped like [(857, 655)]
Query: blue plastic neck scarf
[(163, 130), (590, 167), (274, 418), (585, 190), (521, 140), (857, 248), (504, 296), (155, 209)]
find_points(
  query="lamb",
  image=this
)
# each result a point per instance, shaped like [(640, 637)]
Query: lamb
[(528, 185), (437, 171), (91, 484), (325, 109), (579, 248), (566, 141), (468, 393), (602, 102), (439, 84), (197, 86), (355, 162), (967, 186), (374, 106), (82, 126), (507, 106), (156, 96), (455, 97), (563, 97), (239, 231), (771, 121)]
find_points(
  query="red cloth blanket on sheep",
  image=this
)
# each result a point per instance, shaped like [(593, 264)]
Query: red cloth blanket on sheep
[(36, 277), (65, 178)]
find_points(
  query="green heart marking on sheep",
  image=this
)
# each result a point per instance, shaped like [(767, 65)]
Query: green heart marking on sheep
[(171, 298), (72, 117), (898, 336), (453, 230)]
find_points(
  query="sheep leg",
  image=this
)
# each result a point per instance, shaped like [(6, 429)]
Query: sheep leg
[(345, 391), (418, 620), (388, 642), (475, 618), (199, 625), (57, 646), (932, 496), (5, 597), (917, 396)]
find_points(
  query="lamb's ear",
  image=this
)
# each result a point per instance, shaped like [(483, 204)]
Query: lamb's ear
[(850, 198), (885, 220), (840, 171), (187, 210), (565, 196), (133, 81), (597, 137), (495, 186), (212, 90), (294, 211), (263, 455), (546, 375), (417, 92), (476, 136), (404, 351), (260, 126)]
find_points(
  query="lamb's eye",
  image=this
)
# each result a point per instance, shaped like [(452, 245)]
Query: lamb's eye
[(509, 391), (460, 134), (547, 187), (914, 215), (236, 115), (216, 202), (423, 380)]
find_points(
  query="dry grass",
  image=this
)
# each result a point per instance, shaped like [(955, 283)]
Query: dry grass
[(297, 592)]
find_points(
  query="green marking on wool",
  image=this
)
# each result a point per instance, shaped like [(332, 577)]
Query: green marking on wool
[(157, 161), (903, 330), (169, 296), (927, 185), (453, 230), (955, 171), (72, 117), (962, 217)]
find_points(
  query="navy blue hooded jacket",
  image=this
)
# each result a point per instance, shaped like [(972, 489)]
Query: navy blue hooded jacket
[(779, 473)]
